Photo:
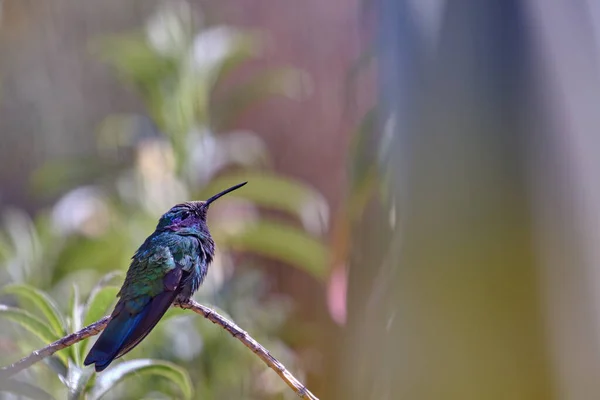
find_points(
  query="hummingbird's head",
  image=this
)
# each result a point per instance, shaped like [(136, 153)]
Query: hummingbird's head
[(191, 215)]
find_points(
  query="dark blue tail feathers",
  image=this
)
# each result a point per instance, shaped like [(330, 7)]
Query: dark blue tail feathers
[(125, 331), (113, 338)]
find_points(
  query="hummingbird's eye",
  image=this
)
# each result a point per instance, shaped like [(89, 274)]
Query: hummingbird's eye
[(184, 215)]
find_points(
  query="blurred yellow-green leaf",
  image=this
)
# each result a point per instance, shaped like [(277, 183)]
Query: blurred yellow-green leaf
[(100, 304), (101, 253), (284, 243), (246, 46), (289, 82), (133, 57), (32, 324), (42, 302)]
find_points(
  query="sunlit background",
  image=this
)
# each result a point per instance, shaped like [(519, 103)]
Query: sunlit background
[(422, 218)]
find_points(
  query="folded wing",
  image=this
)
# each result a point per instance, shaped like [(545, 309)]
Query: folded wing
[(147, 294)]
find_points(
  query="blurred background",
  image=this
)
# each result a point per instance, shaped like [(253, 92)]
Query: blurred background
[(422, 217)]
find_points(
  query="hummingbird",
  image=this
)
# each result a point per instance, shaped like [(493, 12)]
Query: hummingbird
[(170, 265)]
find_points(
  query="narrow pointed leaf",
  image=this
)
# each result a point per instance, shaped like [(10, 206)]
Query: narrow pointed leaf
[(134, 58), (108, 379), (76, 322), (98, 305), (31, 323), (77, 381), (105, 281), (92, 302), (42, 302), (283, 243)]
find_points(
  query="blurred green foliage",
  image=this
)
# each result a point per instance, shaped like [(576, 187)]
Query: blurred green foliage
[(109, 203), (51, 325)]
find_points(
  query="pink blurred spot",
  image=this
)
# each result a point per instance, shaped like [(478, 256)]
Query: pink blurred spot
[(336, 294)]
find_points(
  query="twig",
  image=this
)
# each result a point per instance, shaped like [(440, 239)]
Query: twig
[(62, 343), (206, 312), (250, 343)]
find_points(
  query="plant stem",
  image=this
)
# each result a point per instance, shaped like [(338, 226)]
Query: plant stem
[(208, 313)]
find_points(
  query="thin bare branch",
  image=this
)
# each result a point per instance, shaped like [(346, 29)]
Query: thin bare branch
[(241, 335), (62, 343), (208, 313)]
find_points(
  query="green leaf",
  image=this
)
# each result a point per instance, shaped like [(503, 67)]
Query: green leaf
[(288, 82), (101, 298), (359, 145), (177, 375), (77, 380), (31, 323), (76, 321), (95, 254), (26, 248), (272, 191), (133, 57), (247, 47), (281, 242), (56, 177), (184, 106), (99, 302), (97, 306), (24, 389), (42, 302)]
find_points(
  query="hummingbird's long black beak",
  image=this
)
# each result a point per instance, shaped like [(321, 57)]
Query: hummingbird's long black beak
[(223, 193)]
